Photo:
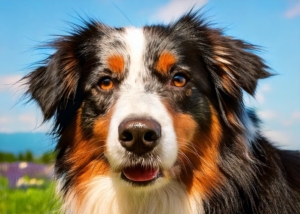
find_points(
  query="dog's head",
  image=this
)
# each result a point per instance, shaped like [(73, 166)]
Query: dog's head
[(146, 106)]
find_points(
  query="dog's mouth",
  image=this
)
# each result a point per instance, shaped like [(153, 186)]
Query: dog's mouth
[(140, 175)]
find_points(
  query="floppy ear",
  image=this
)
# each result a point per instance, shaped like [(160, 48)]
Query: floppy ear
[(233, 64), (234, 67), (54, 83)]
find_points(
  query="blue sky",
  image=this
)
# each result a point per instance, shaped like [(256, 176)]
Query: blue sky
[(273, 25)]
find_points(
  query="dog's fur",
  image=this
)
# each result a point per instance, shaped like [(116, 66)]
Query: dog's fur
[(187, 77)]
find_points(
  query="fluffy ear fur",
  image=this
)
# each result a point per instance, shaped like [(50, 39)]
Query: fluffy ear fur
[(234, 67), (54, 85), (232, 64)]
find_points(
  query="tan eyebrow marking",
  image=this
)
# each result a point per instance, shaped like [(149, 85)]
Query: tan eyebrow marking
[(116, 63), (165, 62)]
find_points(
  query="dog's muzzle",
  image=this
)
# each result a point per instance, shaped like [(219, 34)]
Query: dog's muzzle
[(139, 136)]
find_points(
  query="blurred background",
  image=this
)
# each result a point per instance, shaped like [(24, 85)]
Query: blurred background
[(25, 148)]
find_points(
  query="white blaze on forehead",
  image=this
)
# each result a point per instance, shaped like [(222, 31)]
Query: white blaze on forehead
[(134, 101), (135, 42)]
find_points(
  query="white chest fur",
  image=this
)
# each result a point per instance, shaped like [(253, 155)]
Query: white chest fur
[(101, 195)]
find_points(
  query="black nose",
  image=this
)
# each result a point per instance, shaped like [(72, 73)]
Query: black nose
[(139, 135)]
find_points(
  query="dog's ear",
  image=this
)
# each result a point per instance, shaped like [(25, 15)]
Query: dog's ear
[(232, 63), (55, 82), (234, 68)]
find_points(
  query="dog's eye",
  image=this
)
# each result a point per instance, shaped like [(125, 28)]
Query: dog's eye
[(179, 80), (106, 83)]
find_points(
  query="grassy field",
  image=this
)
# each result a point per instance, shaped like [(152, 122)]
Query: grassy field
[(33, 200)]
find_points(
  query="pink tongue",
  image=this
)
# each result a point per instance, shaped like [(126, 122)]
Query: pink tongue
[(139, 173)]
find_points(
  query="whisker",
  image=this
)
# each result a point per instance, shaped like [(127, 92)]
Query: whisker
[(183, 165), (187, 159), (190, 147), (99, 157)]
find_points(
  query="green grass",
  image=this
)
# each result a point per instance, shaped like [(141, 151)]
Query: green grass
[(33, 200)]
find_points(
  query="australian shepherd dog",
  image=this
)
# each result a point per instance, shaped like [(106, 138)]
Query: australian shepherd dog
[(151, 120)]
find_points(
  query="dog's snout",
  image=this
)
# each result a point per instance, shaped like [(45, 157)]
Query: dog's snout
[(139, 135)]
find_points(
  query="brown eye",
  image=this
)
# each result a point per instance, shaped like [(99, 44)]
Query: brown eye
[(179, 80), (106, 83)]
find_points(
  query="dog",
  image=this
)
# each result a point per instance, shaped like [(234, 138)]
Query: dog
[(152, 120)]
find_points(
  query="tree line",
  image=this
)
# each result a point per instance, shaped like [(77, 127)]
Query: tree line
[(46, 158)]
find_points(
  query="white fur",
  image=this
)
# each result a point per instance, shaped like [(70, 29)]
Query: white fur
[(106, 196), (134, 101), (135, 41)]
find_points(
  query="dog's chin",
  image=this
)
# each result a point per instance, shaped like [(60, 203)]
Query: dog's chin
[(139, 175)]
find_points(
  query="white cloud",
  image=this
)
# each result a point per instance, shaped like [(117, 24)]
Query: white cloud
[(12, 87), (4, 121), (282, 139), (261, 93), (260, 97), (27, 121), (293, 119), (27, 118), (279, 137), (293, 11), (267, 114), (275, 116), (9, 83), (265, 87), (15, 116), (296, 115), (175, 8)]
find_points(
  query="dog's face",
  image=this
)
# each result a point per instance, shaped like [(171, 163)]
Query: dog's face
[(141, 103), (151, 90), (147, 106)]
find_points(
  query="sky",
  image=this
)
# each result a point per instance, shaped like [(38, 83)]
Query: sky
[(272, 25)]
